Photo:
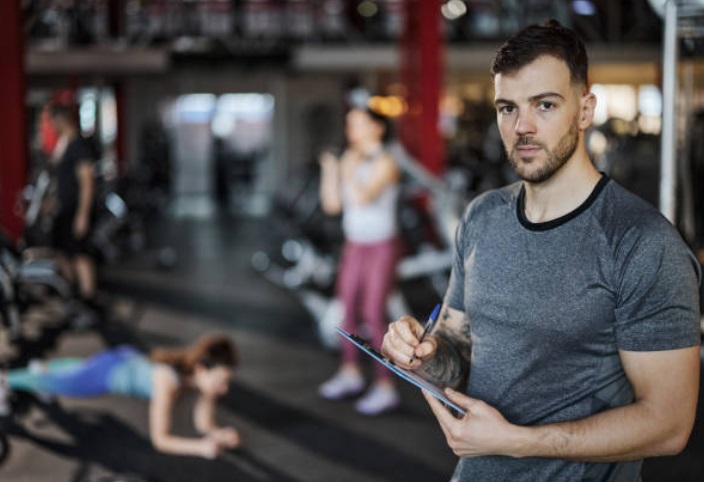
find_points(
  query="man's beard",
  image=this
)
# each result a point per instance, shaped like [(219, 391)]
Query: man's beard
[(556, 158)]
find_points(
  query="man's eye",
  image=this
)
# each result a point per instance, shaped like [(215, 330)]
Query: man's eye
[(506, 109), (546, 105)]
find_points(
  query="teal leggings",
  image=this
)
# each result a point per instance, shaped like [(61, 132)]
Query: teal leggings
[(73, 377)]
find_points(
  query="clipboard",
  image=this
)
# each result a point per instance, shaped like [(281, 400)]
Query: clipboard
[(407, 375)]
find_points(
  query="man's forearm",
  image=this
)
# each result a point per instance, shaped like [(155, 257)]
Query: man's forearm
[(448, 368), (631, 432), (659, 421), (85, 199), (450, 365)]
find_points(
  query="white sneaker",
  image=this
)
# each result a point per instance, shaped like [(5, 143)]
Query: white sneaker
[(342, 385), (378, 400), (5, 407), (37, 366)]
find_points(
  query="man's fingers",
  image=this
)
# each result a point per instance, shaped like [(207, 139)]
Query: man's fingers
[(408, 330), (400, 342), (426, 348), (400, 356), (460, 398), (444, 416)]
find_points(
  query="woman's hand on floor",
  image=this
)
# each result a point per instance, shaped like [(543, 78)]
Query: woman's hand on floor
[(227, 437), (210, 448)]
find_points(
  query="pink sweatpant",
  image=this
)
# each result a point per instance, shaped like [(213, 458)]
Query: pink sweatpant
[(366, 277)]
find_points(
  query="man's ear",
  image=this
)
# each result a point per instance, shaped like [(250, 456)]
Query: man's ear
[(587, 106)]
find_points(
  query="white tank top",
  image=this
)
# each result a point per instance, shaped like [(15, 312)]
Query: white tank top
[(375, 221)]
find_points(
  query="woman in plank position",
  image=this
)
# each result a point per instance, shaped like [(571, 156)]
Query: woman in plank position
[(163, 377)]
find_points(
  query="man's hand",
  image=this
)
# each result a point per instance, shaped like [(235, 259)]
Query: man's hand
[(482, 431), (402, 343)]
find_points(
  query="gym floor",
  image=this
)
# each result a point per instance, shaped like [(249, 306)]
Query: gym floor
[(290, 434)]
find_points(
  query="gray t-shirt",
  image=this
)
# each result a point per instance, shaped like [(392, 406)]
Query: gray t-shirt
[(549, 306)]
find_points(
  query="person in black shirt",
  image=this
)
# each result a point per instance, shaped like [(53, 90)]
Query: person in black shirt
[(73, 161)]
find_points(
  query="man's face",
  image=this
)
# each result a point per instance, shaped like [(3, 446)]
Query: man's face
[(56, 124), (541, 116)]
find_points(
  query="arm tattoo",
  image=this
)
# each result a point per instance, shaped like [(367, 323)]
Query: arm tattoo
[(450, 365)]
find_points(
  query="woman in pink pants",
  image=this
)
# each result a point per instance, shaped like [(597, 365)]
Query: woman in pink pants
[(363, 185)]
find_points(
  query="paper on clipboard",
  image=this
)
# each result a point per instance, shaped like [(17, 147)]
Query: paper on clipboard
[(407, 375)]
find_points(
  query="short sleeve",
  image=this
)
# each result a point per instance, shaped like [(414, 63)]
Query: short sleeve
[(83, 152), (658, 295)]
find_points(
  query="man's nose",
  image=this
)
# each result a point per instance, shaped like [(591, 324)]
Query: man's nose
[(525, 123)]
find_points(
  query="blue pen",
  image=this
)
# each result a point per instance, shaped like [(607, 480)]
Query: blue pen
[(428, 327)]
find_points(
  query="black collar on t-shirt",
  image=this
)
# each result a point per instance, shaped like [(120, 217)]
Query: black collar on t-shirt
[(553, 223)]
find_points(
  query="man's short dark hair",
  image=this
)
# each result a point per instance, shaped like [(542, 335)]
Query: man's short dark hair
[(62, 111), (548, 38)]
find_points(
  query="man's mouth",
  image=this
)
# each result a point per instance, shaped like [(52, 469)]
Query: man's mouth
[(527, 150)]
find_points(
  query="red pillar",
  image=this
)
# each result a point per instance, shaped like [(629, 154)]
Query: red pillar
[(14, 151), (422, 73)]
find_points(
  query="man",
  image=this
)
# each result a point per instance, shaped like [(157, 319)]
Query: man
[(576, 302), (73, 161)]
